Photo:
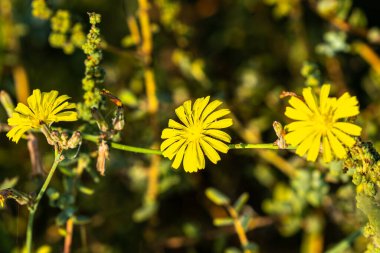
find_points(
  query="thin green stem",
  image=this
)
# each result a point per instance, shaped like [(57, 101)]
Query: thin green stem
[(34, 206), (258, 146), (94, 138), (115, 145)]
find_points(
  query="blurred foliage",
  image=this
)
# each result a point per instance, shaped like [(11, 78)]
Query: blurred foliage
[(244, 52)]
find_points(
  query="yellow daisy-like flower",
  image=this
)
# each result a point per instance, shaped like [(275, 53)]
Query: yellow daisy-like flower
[(318, 124), (43, 108), (198, 134)]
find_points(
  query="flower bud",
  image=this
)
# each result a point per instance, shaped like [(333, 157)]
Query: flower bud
[(75, 140), (118, 121)]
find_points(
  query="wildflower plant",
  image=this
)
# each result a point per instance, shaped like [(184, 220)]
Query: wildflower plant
[(318, 125)]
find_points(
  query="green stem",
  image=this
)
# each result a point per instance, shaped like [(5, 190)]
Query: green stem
[(33, 208), (94, 138), (257, 146)]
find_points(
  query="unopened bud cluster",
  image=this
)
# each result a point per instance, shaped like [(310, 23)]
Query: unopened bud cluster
[(365, 161), (94, 74)]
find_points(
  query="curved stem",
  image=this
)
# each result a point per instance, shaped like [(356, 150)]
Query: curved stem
[(33, 208)]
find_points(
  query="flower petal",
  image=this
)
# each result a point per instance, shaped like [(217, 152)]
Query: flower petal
[(218, 145), (209, 151), (179, 156), (218, 134), (295, 114), (298, 104), (223, 123), (314, 149), (348, 128), (210, 108), (336, 146), (327, 156), (344, 138), (296, 137), (216, 115), (309, 99)]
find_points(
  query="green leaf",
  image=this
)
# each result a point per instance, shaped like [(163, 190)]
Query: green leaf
[(219, 222), (145, 212), (85, 190), (241, 201), (217, 197), (244, 220), (8, 183), (64, 216)]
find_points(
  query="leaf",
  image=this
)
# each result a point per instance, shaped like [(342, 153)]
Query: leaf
[(241, 201), (219, 222), (217, 197), (144, 212), (8, 183)]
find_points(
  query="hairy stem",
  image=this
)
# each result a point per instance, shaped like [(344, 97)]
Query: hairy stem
[(34, 206)]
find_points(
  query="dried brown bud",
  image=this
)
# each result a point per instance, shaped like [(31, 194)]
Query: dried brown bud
[(103, 154), (75, 140), (118, 121)]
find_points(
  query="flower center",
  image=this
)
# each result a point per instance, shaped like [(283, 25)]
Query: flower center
[(194, 132), (323, 122)]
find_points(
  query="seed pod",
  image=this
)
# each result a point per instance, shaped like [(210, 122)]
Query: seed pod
[(75, 140)]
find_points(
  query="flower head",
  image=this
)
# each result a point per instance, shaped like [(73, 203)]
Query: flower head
[(318, 124), (43, 109), (198, 134)]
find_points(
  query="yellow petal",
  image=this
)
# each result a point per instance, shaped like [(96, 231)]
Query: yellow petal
[(323, 97), (305, 145), (336, 146), (297, 125), (179, 156), (168, 142), (170, 132), (199, 106), (309, 99), (209, 151), (175, 124), (59, 101), (190, 161), (295, 114), (210, 108), (218, 134), (218, 145), (23, 109), (201, 157), (314, 149), (296, 137), (66, 116), (327, 156), (348, 128), (216, 115), (344, 138), (172, 149), (180, 111), (188, 112), (299, 105), (17, 132), (223, 123)]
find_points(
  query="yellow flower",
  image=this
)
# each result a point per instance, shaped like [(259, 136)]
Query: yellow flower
[(43, 108), (318, 124), (198, 135)]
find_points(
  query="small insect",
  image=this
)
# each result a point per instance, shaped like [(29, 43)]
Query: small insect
[(280, 132), (111, 97)]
